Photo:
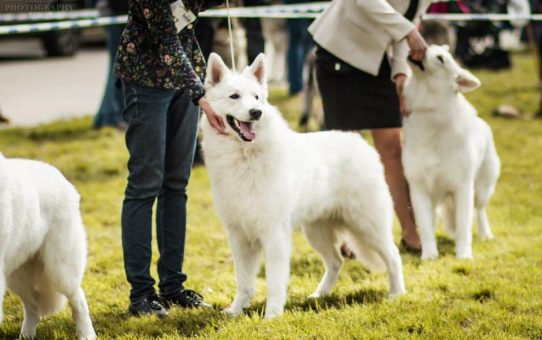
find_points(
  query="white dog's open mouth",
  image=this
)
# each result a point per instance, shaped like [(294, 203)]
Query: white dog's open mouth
[(418, 63), (245, 130)]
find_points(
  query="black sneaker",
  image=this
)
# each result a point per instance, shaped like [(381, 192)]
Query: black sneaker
[(150, 305), (185, 298)]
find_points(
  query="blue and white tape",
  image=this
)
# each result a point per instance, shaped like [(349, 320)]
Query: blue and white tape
[(48, 16), (79, 18)]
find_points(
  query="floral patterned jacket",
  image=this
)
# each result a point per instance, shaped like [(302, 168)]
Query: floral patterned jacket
[(152, 54)]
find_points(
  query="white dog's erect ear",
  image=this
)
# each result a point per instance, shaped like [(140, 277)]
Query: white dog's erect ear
[(258, 69), (216, 70), (466, 81)]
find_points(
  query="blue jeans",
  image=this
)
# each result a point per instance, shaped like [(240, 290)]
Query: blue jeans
[(299, 44), (161, 140), (111, 106)]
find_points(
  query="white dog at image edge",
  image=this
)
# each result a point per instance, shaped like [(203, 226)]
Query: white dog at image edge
[(266, 179), (42, 244), (449, 156)]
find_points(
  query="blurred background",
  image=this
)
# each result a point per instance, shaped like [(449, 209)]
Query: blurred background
[(45, 76)]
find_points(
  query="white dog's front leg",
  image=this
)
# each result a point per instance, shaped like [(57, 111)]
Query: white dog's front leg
[(246, 260), (277, 249), (2, 293), (424, 216), (464, 201)]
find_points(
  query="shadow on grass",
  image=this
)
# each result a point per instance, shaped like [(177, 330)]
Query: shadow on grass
[(333, 301)]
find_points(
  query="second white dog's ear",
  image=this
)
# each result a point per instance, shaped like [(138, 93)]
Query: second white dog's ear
[(258, 69), (466, 81), (216, 70)]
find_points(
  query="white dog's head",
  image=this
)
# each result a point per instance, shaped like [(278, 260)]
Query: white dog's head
[(439, 69), (238, 97)]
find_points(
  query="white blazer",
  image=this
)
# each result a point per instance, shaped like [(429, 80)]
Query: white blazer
[(360, 32)]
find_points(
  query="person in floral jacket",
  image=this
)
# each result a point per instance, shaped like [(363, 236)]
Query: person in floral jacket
[(161, 70)]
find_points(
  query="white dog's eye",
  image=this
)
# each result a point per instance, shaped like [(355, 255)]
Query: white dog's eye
[(235, 96), (441, 58), (256, 97)]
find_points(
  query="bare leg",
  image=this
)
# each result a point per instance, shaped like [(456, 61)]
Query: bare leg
[(388, 143)]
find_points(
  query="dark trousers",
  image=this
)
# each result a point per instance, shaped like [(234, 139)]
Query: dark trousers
[(161, 139), (254, 33)]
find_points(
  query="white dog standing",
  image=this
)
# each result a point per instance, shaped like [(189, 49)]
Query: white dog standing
[(42, 243), (266, 179), (449, 156)]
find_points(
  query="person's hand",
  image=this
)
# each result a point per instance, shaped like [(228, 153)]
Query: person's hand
[(217, 123), (399, 86), (417, 45)]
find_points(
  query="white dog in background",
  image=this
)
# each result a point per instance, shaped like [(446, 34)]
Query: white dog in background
[(449, 156), (267, 179), (42, 243)]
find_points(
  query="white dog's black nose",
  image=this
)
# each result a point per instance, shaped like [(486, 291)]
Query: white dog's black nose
[(255, 114)]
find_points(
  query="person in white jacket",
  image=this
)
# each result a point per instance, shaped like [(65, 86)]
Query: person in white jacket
[(361, 66)]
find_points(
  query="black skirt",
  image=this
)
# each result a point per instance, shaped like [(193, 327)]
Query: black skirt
[(353, 99)]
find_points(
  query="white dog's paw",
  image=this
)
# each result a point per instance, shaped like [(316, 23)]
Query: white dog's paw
[(465, 255), (317, 294), (233, 311), (485, 236), (272, 312), (431, 254), (394, 295), (87, 337)]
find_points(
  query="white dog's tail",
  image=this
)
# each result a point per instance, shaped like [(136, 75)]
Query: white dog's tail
[(365, 254)]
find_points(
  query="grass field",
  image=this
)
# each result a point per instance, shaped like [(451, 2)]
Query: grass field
[(498, 295)]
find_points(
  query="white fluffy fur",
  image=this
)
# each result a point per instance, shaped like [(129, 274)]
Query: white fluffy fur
[(330, 183), (42, 243), (449, 156)]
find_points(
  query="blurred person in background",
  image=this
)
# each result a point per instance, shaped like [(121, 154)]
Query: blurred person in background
[(109, 112), (361, 84), (536, 26), (3, 119), (299, 44), (254, 32), (161, 70)]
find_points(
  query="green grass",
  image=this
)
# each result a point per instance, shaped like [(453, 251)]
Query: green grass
[(497, 295)]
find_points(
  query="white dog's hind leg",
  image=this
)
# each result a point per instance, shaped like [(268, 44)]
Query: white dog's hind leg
[(246, 260), (464, 206), (425, 219), (30, 321), (81, 315), (448, 215), (277, 248), (324, 241), (22, 283), (389, 252), (2, 292), (484, 230)]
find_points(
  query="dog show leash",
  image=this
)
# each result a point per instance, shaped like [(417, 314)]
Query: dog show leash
[(232, 52)]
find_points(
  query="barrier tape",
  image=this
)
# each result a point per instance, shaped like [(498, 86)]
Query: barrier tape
[(309, 11), (45, 16)]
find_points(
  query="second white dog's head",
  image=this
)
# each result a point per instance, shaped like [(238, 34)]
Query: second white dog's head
[(439, 69), (237, 97)]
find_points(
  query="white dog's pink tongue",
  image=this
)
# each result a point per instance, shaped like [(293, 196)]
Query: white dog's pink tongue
[(246, 130)]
